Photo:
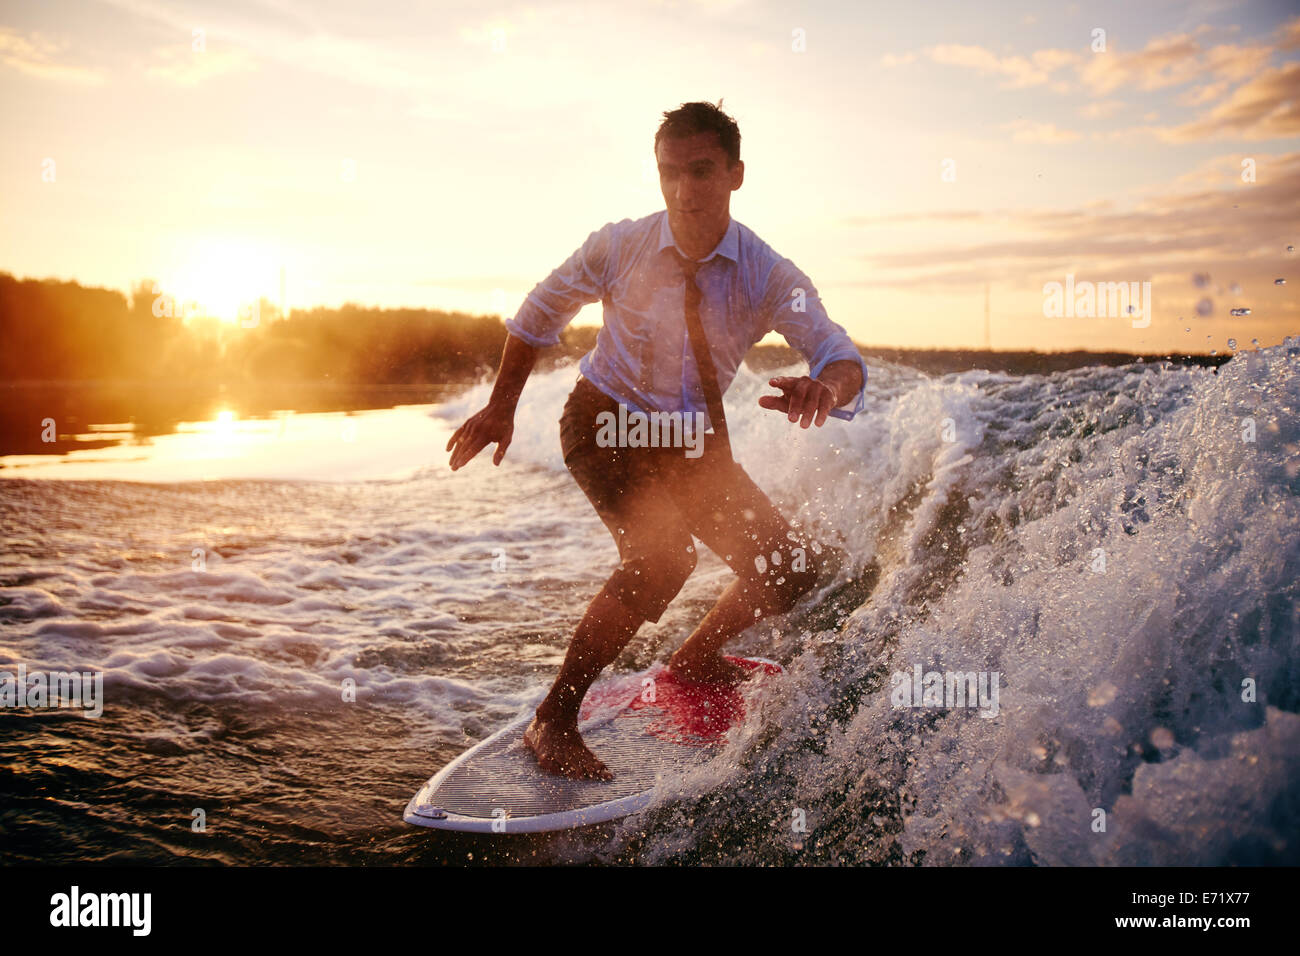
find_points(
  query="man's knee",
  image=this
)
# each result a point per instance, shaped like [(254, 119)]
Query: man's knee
[(648, 583), (786, 575)]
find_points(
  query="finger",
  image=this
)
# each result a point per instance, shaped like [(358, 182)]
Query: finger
[(454, 435), (811, 402), (777, 402), (798, 394), (824, 406), (783, 382), (809, 412), (465, 455), (460, 447), (502, 445), (469, 447)]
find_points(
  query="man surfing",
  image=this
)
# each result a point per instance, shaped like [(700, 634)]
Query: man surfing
[(682, 287)]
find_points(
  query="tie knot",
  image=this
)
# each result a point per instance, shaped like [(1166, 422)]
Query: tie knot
[(689, 266)]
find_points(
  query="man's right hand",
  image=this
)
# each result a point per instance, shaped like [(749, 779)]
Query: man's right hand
[(493, 424)]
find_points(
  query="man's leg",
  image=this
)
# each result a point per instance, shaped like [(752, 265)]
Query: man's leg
[(740, 524), (656, 563), (657, 555), (553, 735), (700, 656)]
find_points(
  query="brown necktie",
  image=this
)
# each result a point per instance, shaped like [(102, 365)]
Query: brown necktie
[(703, 357)]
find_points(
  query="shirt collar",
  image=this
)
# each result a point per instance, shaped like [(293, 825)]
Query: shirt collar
[(729, 246)]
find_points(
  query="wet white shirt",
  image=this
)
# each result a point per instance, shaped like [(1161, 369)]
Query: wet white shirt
[(643, 356)]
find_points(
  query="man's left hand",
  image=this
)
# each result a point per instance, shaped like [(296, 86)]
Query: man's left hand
[(805, 400)]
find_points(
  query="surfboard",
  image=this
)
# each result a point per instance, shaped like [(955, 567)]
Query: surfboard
[(646, 727)]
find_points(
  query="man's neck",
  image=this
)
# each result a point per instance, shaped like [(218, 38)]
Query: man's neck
[(700, 248)]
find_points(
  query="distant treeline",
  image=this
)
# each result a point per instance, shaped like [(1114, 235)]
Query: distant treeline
[(55, 330), (945, 361)]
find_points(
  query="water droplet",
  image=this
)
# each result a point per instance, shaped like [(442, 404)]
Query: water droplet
[(1201, 280), (1241, 311), (1188, 329), (1204, 307), (1102, 694), (1254, 341), (1232, 344), (1214, 351), (1279, 282), (1290, 248)]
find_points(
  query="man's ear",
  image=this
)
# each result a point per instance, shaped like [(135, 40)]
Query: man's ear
[(737, 174)]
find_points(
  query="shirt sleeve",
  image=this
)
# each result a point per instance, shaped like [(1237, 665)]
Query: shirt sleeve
[(794, 309), (554, 301)]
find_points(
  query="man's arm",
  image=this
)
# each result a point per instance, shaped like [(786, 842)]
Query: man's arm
[(517, 362), (844, 376), (836, 369), (496, 422), (809, 400), (548, 308)]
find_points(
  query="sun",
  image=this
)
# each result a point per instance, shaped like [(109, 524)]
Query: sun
[(220, 277)]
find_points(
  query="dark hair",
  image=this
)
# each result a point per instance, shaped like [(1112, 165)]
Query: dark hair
[(692, 118)]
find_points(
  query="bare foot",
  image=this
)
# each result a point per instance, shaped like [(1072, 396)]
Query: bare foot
[(712, 669), (560, 750)]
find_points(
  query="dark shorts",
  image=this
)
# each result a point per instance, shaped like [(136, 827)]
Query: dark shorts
[(653, 500)]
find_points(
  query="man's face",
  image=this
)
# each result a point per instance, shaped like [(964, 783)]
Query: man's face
[(697, 184)]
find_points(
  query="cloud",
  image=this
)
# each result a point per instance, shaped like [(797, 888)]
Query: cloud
[(188, 67), (938, 215), (1050, 60), (1100, 109), (890, 60), (1127, 134), (1018, 71), (1174, 60), (1027, 131), (1288, 35), (353, 60), (1231, 222), (1200, 95), (1246, 98), (359, 48), (36, 56), (1223, 170), (1164, 61), (1236, 63), (1266, 107)]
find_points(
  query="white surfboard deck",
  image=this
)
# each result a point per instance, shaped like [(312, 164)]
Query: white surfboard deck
[(497, 787)]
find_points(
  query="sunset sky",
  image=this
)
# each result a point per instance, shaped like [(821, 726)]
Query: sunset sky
[(450, 155)]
